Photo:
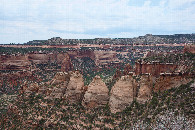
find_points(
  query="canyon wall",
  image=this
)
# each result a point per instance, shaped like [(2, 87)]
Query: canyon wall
[(20, 62), (154, 68), (167, 81), (81, 53), (104, 57)]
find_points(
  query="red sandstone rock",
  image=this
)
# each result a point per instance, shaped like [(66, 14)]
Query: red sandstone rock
[(154, 68), (66, 64), (145, 88), (168, 81)]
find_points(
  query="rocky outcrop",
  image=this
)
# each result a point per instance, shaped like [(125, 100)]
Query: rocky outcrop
[(122, 93), (14, 62), (145, 88), (167, 81), (74, 92), (24, 62), (154, 68), (66, 64), (59, 78), (97, 94), (102, 57), (59, 84), (78, 54)]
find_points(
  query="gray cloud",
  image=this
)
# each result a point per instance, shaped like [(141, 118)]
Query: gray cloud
[(42, 19)]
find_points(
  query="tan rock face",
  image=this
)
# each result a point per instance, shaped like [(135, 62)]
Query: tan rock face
[(145, 88), (75, 87), (97, 94), (122, 94)]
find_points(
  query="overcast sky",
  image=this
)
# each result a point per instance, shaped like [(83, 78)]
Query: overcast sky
[(25, 20)]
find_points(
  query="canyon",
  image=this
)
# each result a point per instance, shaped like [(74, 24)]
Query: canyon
[(25, 61), (134, 83), (99, 86)]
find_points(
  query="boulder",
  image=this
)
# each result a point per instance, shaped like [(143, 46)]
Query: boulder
[(122, 94), (97, 94), (75, 87)]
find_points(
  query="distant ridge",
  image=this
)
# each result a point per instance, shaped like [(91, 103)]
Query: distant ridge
[(147, 39)]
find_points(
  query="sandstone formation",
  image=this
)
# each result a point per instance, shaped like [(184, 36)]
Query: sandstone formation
[(66, 64), (25, 61), (38, 58), (103, 57), (59, 84), (14, 62), (154, 68), (59, 78), (122, 93), (81, 54), (167, 81), (97, 94), (145, 88), (75, 87)]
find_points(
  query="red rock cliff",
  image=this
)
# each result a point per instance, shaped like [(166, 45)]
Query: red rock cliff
[(154, 68)]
